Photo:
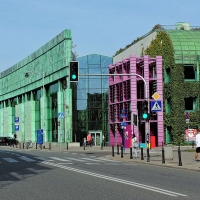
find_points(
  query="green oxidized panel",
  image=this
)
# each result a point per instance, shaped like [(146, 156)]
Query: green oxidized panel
[(52, 58)]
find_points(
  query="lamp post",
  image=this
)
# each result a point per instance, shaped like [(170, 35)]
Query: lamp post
[(43, 123)]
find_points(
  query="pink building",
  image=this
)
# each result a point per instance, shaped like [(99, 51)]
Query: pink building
[(128, 92)]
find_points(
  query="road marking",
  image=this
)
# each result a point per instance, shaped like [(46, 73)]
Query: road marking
[(10, 160), (74, 153), (92, 159), (92, 163), (64, 163), (60, 159), (93, 156), (76, 159), (104, 159), (43, 159), (147, 187), (26, 159)]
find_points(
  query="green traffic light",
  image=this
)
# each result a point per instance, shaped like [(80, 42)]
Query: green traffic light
[(73, 76), (144, 115)]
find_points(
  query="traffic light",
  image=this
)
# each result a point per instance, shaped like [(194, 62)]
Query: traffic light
[(73, 71), (145, 114), (135, 119)]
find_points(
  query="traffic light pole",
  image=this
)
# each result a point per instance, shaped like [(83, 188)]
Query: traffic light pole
[(146, 98)]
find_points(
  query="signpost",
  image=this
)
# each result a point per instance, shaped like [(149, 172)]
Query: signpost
[(16, 120)]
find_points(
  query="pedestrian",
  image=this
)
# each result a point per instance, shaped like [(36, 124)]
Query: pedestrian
[(84, 142), (197, 146), (134, 145)]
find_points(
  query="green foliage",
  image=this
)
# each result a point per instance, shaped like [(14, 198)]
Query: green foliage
[(177, 89)]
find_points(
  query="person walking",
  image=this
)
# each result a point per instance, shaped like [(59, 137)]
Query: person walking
[(134, 145), (197, 146)]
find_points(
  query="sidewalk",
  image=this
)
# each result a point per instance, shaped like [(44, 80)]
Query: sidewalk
[(187, 155)]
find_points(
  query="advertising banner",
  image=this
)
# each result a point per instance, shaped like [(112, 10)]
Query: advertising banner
[(190, 134)]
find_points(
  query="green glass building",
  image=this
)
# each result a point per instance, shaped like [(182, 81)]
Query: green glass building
[(90, 100), (37, 98)]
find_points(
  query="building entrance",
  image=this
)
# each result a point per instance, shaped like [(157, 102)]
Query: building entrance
[(97, 137)]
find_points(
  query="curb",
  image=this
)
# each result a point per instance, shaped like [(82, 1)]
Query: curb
[(154, 164)]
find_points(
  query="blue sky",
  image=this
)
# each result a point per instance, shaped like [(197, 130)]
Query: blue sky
[(98, 26)]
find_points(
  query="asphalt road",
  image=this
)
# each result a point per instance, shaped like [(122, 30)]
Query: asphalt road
[(67, 175)]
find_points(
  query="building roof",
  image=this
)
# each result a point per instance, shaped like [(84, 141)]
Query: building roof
[(186, 45)]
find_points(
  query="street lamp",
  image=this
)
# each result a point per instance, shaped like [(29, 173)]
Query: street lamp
[(42, 124)]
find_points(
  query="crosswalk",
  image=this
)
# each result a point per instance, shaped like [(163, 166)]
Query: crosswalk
[(64, 160)]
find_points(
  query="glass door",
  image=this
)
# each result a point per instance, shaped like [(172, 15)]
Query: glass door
[(96, 137)]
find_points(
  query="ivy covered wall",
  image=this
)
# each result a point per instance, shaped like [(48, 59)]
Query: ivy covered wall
[(176, 89)]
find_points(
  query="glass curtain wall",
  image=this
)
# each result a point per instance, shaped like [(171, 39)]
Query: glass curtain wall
[(90, 98)]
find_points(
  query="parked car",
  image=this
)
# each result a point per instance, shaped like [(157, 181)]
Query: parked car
[(8, 141)]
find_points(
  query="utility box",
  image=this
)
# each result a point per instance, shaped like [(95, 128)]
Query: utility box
[(169, 153)]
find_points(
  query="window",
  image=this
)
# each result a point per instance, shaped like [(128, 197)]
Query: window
[(190, 103), (189, 72)]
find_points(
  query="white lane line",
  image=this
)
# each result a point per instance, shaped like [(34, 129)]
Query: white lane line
[(76, 159), (147, 187), (43, 159), (74, 153), (10, 160), (104, 159), (92, 163), (93, 156), (26, 159), (111, 163), (65, 152), (64, 163), (60, 159), (93, 160)]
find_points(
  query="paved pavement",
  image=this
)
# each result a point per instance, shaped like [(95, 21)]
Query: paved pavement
[(187, 155)]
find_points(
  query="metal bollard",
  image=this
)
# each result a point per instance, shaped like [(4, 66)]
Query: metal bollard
[(36, 145), (23, 145), (179, 156), (122, 151), (84, 147), (163, 155), (131, 153), (142, 155), (117, 149), (10, 143), (102, 146), (148, 156), (67, 146), (20, 145), (113, 153), (49, 145)]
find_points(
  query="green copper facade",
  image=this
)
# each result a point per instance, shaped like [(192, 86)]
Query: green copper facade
[(25, 98)]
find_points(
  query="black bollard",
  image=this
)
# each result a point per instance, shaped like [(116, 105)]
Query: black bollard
[(163, 155), (10, 143), (23, 145), (49, 145), (36, 145), (122, 151), (83, 146), (113, 153), (102, 146), (148, 156), (131, 153), (193, 144), (20, 145), (142, 155), (117, 149), (179, 156), (67, 146)]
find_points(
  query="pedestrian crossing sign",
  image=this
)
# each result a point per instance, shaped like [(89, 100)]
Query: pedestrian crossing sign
[(156, 106), (61, 115)]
